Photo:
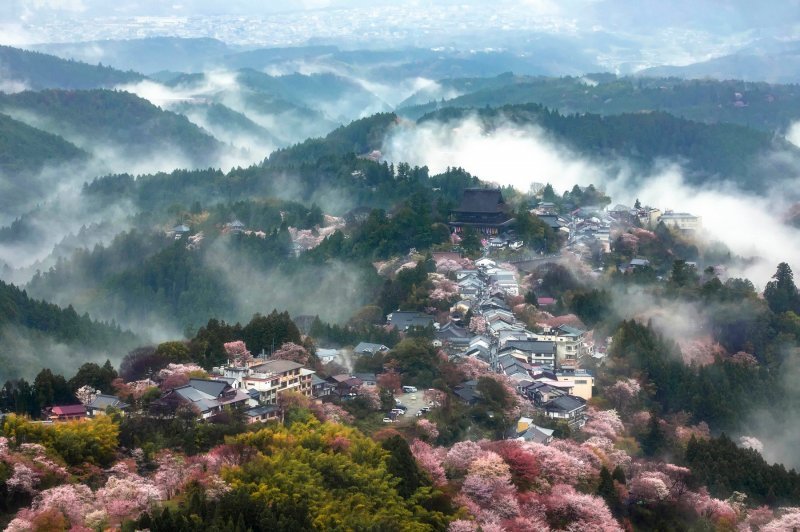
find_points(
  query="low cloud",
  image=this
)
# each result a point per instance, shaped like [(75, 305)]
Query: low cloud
[(751, 226)]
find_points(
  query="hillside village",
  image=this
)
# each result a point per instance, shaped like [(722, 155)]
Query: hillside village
[(549, 363)]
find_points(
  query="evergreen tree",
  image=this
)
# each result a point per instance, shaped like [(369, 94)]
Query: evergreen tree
[(608, 492), (781, 294)]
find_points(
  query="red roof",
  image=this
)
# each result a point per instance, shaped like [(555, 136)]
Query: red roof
[(69, 410)]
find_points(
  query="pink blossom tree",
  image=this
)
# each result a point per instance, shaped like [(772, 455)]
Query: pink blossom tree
[(74, 501), (23, 480), (604, 424), (474, 368), (460, 456), (372, 396), (335, 414), (237, 353), (462, 525), (127, 497), (624, 394), (488, 484), (570, 510), (477, 325), (790, 520), (294, 352), (430, 460), (171, 473), (427, 430)]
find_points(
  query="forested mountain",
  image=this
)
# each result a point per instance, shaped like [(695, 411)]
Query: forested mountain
[(226, 124), (709, 151), (37, 71), (764, 106), (338, 98), (26, 150), (33, 331), (97, 119)]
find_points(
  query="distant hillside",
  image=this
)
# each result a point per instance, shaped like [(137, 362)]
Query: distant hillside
[(41, 71), (776, 62), (35, 334), (763, 106), (359, 137), (546, 54), (25, 149), (24, 152), (709, 151), (143, 55), (101, 117), (338, 98), (226, 124)]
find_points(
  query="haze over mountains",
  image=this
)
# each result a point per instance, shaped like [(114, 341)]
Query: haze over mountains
[(590, 207)]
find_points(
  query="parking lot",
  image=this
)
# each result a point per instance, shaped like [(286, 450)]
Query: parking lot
[(414, 402)]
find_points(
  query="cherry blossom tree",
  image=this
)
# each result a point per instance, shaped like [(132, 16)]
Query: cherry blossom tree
[(719, 511), (294, 352), (372, 395), (757, 518), (462, 525), (604, 424), (570, 510), (522, 463), (335, 414), (649, 486), (624, 394), (127, 497), (443, 288), (558, 466), (430, 460), (74, 501), (488, 484), (23, 480), (460, 456), (237, 353), (86, 394), (790, 520), (477, 325), (171, 473), (427, 429), (474, 368)]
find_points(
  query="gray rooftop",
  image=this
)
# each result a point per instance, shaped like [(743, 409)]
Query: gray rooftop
[(276, 366), (531, 346)]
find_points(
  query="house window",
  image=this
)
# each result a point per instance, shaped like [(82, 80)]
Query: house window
[(580, 381)]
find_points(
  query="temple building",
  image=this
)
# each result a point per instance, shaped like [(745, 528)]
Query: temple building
[(482, 209)]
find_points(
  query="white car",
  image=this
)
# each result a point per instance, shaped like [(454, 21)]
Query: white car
[(388, 420)]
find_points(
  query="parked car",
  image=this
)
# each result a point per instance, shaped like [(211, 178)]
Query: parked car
[(401, 407), (409, 389), (388, 420), (398, 411)]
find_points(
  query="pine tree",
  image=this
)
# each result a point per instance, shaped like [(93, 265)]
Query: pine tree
[(781, 294)]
